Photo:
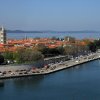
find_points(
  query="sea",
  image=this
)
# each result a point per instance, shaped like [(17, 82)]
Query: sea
[(81, 82), (50, 35)]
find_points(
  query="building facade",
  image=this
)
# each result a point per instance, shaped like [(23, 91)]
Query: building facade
[(2, 36)]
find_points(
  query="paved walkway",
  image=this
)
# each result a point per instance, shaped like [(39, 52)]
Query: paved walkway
[(12, 71)]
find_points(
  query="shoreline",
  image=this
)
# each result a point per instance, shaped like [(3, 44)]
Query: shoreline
[(56, 67)]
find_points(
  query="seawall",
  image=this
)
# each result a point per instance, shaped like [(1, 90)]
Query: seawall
[(56, 67)]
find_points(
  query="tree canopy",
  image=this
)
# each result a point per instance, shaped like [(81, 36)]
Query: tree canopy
[(93, 46), (27, 55), (1, 59)]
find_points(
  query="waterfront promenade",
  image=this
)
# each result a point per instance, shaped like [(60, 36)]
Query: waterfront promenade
[(7, 73)]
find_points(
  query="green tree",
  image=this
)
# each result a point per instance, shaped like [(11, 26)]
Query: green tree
[(61, 50), (27, 55), (1, 59), (92, 47), (8, 55), (19, 55), (69, 49)]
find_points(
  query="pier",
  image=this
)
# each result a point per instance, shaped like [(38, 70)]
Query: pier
[(51, 68)]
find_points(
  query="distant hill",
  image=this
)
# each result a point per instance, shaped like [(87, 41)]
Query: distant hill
[(21, 31)]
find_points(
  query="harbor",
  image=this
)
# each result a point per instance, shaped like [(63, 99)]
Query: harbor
[(7, 73)]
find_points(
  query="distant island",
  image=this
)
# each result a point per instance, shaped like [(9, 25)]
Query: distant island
[(50, 31)]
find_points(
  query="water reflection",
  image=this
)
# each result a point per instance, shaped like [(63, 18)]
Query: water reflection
[(25, 82), (99, 61), (1, 83)]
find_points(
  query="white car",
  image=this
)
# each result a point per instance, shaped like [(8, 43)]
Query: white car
[(77, 61), (1, 74)]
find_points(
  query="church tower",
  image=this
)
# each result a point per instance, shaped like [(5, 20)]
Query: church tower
[(2, 36)]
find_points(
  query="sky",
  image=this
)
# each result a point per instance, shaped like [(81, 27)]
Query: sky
[(61, 15)]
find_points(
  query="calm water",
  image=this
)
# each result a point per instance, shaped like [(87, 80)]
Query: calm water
[(61, 35), (79, 83)]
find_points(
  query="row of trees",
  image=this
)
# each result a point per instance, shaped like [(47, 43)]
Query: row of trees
[(23, 55), (62, 50), (93, 46)]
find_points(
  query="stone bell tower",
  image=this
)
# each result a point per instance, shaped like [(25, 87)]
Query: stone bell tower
[(2, 36)]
